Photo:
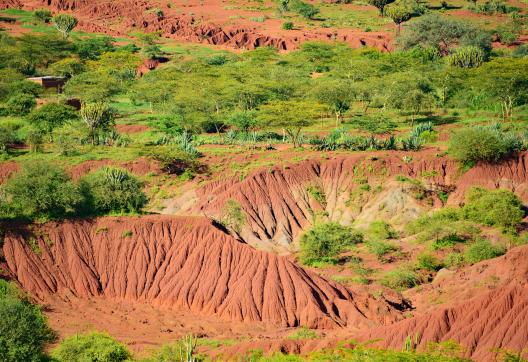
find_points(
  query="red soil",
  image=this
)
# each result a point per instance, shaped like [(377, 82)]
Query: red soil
[(482, 324), (6, 169), (185, 264), (278, 205), (209, 23), (131, 128)]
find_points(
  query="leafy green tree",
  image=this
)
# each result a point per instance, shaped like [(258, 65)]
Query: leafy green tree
[(500, 207), (324, 242), (442, 33), (380, 4), (337, 95), (42, 190), (506, 80), (23, 330), (52, 115), (67, 67), (20, 104), (243, 121), (98, 117), (93, 47), (415, 101), (93, 347), (113, 190), (293, 116), (306, 10), (7, 138), (65, 23), (398, 13)]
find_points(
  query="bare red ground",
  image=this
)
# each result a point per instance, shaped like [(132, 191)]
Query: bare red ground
[(183, 263), (278, 204), (195, 21), (131, 128), (481, 325)]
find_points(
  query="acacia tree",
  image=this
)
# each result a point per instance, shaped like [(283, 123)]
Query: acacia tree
[(97, 116), (65, 23), (507, 81), (380, 4), (337, 96), (292, 116), (398, 13)]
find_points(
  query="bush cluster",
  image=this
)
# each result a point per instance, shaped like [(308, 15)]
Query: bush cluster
[(483, 143), (44, 191), (324, 242)]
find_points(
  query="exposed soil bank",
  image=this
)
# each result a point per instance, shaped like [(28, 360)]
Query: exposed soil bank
[(183, 263)]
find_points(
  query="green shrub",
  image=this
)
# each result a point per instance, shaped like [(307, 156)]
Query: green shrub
[(42, 190), (467, 57), (233, 216), (380, 230), (23, 328), (400, 279), (324, 242), (113, 190), (7, 138), (42, 15), (20, 104), (482, 249), (500, 208), (183, 349), (288, 25), (482, 143), (380, 248), (93, 347), (52, 115), (428, 261), (303, 333), (306, 10), (454, 260)]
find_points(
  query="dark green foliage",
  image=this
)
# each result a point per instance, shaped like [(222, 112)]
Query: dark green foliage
[(7, 138), (288, 25), (306, 10), (113, 190), (20, 104), (42, 15), (428, 262), (380, 4), (52, 115), (93, 47), (483, 143), (500, 208), (482, 249), (23, 328), (243, 121), (42, 190), (93, 347), (324, 242)]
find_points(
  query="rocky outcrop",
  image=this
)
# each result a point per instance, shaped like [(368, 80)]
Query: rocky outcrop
[(183, 263)]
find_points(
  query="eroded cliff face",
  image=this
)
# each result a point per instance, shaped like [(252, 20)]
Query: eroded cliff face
[(184, 263), (280, 202), (122, 16)]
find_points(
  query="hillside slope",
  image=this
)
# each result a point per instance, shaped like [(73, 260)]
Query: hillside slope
[(183, 263)]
